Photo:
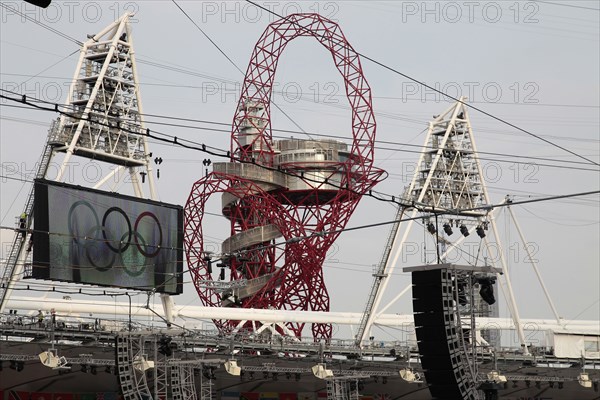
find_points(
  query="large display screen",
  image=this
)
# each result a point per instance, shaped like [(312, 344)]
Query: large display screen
[(89, 236)]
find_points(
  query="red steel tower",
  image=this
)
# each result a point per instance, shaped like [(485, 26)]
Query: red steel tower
[(282, 198)]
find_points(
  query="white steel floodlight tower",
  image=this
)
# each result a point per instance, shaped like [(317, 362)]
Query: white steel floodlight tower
[(448, 177), (101, 120)]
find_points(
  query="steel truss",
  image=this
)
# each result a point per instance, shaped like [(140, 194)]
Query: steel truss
[(102, 120), (448, 178), (293, 189), (344, 387), (171, 377), (130, 367), (206, 385), (182, 381)]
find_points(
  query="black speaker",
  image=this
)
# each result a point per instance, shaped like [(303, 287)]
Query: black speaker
[(124, 368), (133, 383), (176, 389), (441, 347)]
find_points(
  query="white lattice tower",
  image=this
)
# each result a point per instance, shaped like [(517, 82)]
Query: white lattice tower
[(206, 388), (188, 385), (449, 174), (105, 119), (448, 180), (102, 120)]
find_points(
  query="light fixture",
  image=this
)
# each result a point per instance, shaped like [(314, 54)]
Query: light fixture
[(208, 261), (487, 289), (584, 380), (448, 229), (431, 228), (165, 346), (141, 364), (232, 368), (480, 231), (409, 376), (464, 230), (321, 372), (495, 376), (51, 359)]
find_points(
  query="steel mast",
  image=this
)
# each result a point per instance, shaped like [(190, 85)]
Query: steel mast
[(102, 120), (448, 177)]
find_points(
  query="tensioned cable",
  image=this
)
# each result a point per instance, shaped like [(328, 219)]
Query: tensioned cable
[(443, 93), (360, 54), (224, 80), (230, 60), (425, 148), (440, 211), (55, 31), (567, 5), (57, 106), (204, 149), (288, 131)]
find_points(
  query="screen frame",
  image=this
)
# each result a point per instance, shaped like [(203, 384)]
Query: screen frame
[(41, 268)]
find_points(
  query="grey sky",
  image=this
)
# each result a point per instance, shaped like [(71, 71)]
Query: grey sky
[(534, 64)]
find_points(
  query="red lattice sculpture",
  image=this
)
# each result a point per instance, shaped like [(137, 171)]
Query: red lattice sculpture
[(292, 192)]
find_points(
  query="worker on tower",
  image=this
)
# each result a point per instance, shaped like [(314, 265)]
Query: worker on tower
[(40, 318)]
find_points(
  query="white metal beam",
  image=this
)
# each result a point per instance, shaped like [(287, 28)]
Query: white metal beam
[(94, 307), (534, 265)]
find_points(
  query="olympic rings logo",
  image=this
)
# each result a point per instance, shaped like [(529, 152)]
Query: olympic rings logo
[(103, 242)]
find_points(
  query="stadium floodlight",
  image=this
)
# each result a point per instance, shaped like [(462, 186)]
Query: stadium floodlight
[(480, 231), (431, 228), (584, 380), (232, 368), (321, 371), (448, 229), (495, 376), (51, 359), (141, 364), (410, 376)]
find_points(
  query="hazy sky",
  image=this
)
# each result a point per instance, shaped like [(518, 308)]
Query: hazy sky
[(532, 63)]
